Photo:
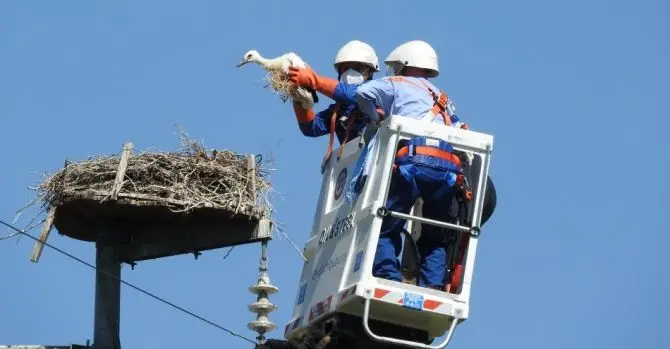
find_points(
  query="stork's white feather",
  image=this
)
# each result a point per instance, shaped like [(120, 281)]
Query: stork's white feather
[(291, 59), (280, 65)]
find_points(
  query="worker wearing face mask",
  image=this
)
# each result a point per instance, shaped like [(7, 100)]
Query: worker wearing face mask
[(355, 63)]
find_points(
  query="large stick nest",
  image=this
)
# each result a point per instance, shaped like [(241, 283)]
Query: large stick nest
[(184, 181)]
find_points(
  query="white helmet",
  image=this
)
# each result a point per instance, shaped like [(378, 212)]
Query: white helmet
[(357, 51), (416, 53)]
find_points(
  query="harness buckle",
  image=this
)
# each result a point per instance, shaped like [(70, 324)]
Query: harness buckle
[(464, 188)]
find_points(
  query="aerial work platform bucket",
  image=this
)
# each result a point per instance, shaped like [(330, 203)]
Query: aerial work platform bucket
[(337, 276)]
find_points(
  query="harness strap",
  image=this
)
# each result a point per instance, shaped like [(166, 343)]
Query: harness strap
[(429, 151), (440, 106), (440, 101), (463, 184), (350, 125), (331, 141)]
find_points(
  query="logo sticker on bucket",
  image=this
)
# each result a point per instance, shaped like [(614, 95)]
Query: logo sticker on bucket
[(413, 301)]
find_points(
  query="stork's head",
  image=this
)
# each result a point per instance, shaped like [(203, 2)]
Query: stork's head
[(251, 56)]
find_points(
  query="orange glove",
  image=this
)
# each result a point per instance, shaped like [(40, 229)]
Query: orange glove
[(304, 77), (307, 78)]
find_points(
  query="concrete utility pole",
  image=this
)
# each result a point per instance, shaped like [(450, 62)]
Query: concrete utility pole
[(107, 297)]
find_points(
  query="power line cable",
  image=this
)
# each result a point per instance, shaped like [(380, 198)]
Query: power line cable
[(18, 231)]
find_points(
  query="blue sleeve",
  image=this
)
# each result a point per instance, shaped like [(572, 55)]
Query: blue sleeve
[(320, 125), (345, 93), (373, 94)]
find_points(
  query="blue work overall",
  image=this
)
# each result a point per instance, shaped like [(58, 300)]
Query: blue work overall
[(425, 168)]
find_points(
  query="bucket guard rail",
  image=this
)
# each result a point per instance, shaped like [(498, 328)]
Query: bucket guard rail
[(397, 341), (337, 276), (483, 149)]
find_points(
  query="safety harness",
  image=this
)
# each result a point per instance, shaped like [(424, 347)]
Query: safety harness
[(440, 154), (433, 152), (351, 121), (439, 101), (331, 141)]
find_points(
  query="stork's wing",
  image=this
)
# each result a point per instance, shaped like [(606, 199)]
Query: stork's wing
[(306, 95), (295, 60)]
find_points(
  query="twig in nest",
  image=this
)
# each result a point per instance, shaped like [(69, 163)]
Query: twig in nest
[(282, 86), (192, 176)]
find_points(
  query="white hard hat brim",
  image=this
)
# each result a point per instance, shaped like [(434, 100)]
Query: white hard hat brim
[(356, 51), (418, 54)]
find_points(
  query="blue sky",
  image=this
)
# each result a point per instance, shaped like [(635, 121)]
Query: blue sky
[(573, 91)]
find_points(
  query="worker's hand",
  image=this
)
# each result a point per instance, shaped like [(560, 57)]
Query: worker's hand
[(304, 77), (381, 114)]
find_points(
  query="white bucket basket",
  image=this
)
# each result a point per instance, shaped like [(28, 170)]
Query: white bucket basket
[(337, 276)]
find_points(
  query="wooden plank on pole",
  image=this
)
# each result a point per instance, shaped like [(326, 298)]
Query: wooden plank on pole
[(251, 164), (44, 235), (121, 171)]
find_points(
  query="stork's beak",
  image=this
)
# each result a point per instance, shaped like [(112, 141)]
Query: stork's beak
[(242, 62)]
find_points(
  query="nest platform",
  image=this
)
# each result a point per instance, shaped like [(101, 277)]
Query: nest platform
[(154, 205)]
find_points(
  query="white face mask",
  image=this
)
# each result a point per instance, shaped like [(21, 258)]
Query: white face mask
[(352, 77)]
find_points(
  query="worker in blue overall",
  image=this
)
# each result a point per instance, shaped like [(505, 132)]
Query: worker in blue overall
[(424, 167), (355, 63)]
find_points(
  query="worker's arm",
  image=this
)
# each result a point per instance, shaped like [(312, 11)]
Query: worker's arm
[(311, 124), (375, 94), (338, 91), (345, 93)]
